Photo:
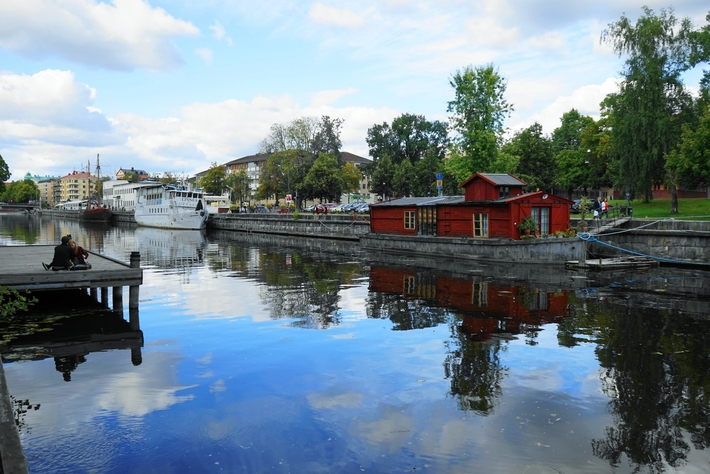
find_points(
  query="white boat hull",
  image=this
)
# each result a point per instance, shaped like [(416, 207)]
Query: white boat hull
[(194, 220)]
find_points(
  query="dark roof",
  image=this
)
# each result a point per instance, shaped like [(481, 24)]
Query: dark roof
[(420, 201), (249, 159), (353, 158), (497, 179), (132, 170)]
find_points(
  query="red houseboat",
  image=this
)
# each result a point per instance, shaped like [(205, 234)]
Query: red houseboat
[(492, 207)]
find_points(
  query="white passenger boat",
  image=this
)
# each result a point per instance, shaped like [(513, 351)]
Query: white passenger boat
[(170, 207)]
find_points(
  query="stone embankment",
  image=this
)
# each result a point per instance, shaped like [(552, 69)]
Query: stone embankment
[(332, 226)]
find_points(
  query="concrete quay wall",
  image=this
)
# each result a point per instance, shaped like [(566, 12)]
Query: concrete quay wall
[(478, 250), (332, 226), (672, 239)]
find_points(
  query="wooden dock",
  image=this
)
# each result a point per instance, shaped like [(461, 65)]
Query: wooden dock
[(23, 270), (612, 263)]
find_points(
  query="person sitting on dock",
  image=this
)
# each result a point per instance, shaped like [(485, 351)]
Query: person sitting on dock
[(63, 255), (79, 258)]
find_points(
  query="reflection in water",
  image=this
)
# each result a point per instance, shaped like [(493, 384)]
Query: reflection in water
[(170, 249), (297, 285), (67, 326), (656, 373), (448, 369), (483, 316)]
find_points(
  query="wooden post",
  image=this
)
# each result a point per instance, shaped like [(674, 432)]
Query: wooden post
[(117, 292), (104, 297), (133, 293), (93, 292)]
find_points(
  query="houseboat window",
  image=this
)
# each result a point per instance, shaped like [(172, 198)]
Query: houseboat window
[(541, 215), (409, 221), (427, 220), (480, 225), (503, 191), (408, 286), (479, 294)]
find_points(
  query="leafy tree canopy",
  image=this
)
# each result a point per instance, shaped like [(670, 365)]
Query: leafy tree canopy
[(324, 179), (213, 180), (409, 137), (479, 110), (4, 171), (651, 105), (537, 165)]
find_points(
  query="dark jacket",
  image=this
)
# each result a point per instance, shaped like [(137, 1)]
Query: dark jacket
[(63, 255)]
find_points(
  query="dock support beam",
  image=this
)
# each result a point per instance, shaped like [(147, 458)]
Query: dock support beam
[(117, 293), (104, 297), (133, 293)]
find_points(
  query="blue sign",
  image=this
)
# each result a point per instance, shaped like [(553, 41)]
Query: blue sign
[(439, 176)]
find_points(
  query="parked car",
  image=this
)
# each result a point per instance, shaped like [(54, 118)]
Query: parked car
[(261, 209), (574, 208), (364, 208)]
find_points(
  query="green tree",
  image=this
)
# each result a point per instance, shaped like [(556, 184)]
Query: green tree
[(324, 180), (403, 179), (691, 161), (283, 174), (239, 186), (20, 191), (537, 165), (651, 105), (572, 162), (383, 178), (479, 110), (327, 137), (351, 177), (409, 137), (297, 135), (568, 136), (167, 178), (213, 180), (4, 171)]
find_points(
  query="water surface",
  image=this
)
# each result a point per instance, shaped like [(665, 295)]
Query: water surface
[(263, 354)]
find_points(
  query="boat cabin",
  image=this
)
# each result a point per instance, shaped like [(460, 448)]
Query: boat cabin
[(493, 206)]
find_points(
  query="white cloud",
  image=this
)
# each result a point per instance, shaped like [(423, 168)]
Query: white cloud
[(332, 16), (487, 32), (205, 54), (551, 40), (124, 35), (585, 99), (220, 33), (323, 98)]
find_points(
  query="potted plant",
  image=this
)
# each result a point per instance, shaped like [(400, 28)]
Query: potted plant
[(527, 226)]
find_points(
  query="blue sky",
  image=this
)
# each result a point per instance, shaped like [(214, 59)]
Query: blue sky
[(177, 85)]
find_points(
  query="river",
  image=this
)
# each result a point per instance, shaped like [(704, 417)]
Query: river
[(265, 354)]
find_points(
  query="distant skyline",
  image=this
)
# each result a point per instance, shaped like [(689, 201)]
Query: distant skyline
[(178, 85)]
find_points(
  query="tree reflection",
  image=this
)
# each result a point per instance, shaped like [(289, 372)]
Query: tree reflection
[(476, 373), (656, 371), (298, 285)]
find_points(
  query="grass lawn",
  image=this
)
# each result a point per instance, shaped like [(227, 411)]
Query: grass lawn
[(696, 209)]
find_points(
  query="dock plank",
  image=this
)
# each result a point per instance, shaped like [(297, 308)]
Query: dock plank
[(23, 270)]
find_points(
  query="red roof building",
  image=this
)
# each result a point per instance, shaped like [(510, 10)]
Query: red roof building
[(492, 207)]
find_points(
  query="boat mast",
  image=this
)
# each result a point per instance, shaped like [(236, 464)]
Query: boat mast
[(88, 170), (98, 183)]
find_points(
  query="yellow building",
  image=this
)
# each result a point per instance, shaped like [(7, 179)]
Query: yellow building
[(73, 187)]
